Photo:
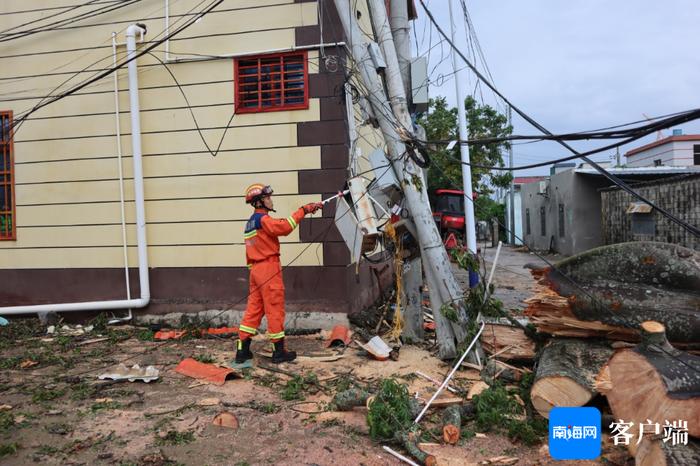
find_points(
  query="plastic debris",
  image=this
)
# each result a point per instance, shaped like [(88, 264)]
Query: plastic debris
[(239, 366), (340, 335), (68, 330), (132, 374), (226, 419), (3, 321), (169, 334), (199, 370), (377, 349)]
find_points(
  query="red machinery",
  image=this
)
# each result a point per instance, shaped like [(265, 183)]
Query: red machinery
[(448, 212)]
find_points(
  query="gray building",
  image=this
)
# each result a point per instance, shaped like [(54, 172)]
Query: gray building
[(564, 213)]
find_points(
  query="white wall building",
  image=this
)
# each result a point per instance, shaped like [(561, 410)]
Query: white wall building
[(673, 151)]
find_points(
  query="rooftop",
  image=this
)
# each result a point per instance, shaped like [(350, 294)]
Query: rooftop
[(641, 171), (660, 142)]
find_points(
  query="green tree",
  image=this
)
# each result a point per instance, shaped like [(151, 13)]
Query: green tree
[(440, 123)]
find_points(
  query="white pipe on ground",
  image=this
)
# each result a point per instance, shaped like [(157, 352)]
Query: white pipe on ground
[(145, 298)]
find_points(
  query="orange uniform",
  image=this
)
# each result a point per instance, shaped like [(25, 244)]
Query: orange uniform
[(266, 295)]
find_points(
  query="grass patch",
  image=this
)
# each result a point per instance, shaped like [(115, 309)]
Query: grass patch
[(174, 437), (82, 391), (42, 395), (146, 335), (47, 450), (10, 363), (295, 388), (7, 449), (19, 329), (205, 358), (7, 421), (104, 406)]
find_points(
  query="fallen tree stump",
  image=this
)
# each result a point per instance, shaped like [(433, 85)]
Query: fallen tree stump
[(566, 373), (651, 452), (609, 291), (452, 425), (655, 381)]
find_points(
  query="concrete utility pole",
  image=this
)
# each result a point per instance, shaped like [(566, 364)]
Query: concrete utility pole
[(469, 223), (444, 288), (400, 32), (511, 212)]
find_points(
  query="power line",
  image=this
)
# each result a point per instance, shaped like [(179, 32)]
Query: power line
[(617, 181), (111, 70), (68, 21), (64, 10)]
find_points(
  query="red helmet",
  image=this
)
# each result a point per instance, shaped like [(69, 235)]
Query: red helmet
[(257, 191)]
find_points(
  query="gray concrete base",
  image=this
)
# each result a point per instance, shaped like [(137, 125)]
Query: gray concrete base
[(231, 317)]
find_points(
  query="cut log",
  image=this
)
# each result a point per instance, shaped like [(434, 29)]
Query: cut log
[(566, 373), (451, 425), (655, 382), (410, 444), (609, 291), (349, 399), (507, 342), (653, 452)]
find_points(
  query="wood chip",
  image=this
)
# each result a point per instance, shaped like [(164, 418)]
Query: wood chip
[(502, 460), (226, 419), (476, 389), (28, 363), (446, 401), (94, 340), (5, 407), (480, 435), (208, 402), (104, 400)]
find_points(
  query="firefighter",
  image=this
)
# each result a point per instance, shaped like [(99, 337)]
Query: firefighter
[(266, 292)]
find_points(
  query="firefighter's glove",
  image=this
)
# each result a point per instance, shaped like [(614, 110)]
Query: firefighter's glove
[(312, 207)]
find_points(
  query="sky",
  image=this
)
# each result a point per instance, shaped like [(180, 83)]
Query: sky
[(575, 65)]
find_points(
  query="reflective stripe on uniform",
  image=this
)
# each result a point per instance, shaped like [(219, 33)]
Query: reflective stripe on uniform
[(292, 223), (274, 336), (250, 234), (245, 329)]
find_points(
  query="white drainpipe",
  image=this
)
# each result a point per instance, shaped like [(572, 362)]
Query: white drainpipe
[(145, 298)]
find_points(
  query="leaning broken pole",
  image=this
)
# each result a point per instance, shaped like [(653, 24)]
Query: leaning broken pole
[(444, 288)]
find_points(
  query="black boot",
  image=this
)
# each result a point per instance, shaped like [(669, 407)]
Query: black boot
[(243, 354), (280, 354)]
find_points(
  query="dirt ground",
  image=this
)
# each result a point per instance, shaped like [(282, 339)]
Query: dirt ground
[(54, 410), (58, 413)]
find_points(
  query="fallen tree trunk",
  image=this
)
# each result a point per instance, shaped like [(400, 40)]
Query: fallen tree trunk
[(566, 373), (655, 382), (609, 291), (658, 453), (452, 425)]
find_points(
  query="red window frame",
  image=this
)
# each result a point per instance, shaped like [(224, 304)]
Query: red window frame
[(7, 179), (271, 83)]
